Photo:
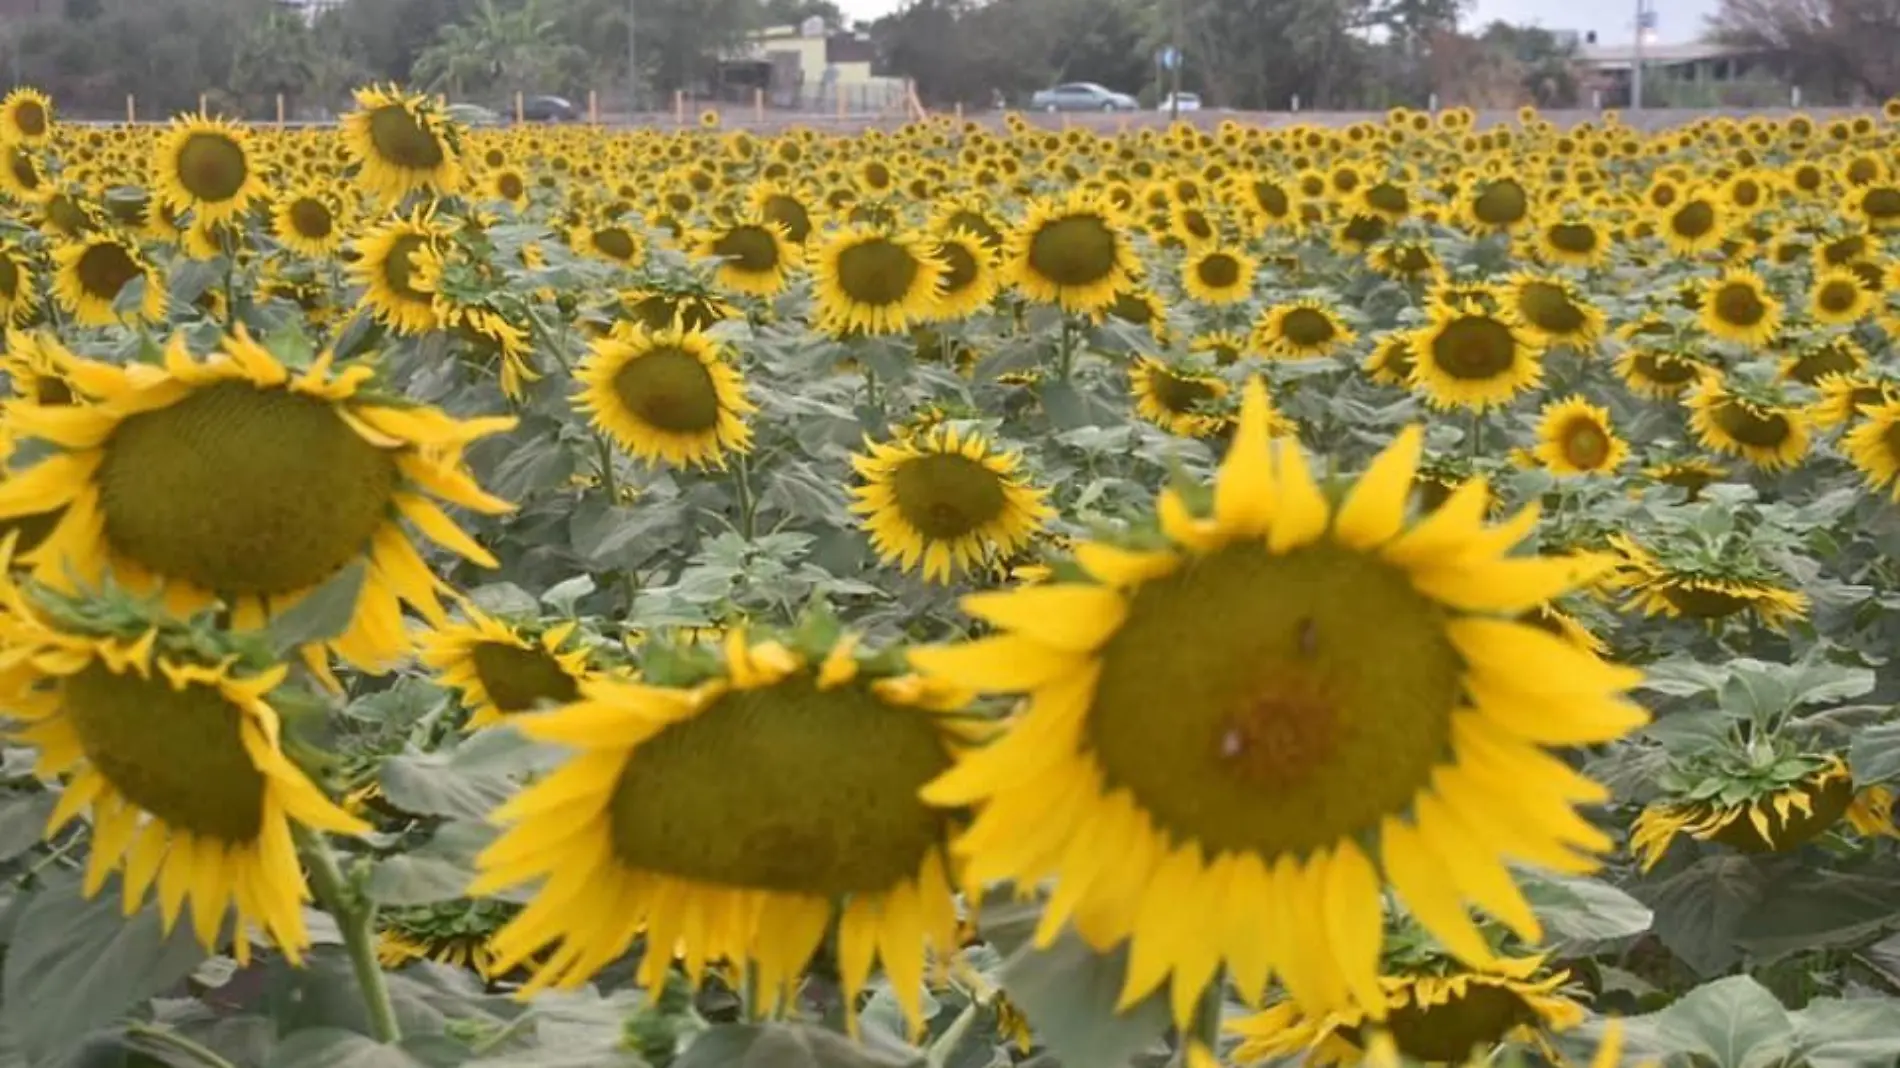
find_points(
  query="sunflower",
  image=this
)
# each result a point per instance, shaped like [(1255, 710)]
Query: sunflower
[(1072, 252), (1303, 329), (1572, 241), (1846, 397), (227, 479), (18, 297), (21, 174), (396, 264), (506, 184), (1553, 310), (945, 501), (1770, 436), (665, 395), (1176, 400), (1407, 260), (1770, 807), (1816, 360), (970, 278), (816, 818), (501, 669), (38, 368), (779, 203), (168, 736), (1874, 446), (1466, 357), (1838, 298), (1691, 474), (1437, 1015), (402, 143), (458, 940), (1694, 223), (1738, 307), (492, 337), (1391, 361), (1208, 707), (91, 276), (608, 240), (868, 281), (205, 166), (1219, 275), (309, 221), (1225, 346), (26, 117), (1574, 438), (755, 255), (1658, 374), (1692, 584), (1496, 205)]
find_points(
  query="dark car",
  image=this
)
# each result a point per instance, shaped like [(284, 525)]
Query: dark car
[(548, 109)]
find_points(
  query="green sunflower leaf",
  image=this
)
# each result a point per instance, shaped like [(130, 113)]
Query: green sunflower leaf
[(1700, 911), (1838, 1033), (786, 1046), (23, 820), (321, 616), (1069, 992), (1732, 1023), (66, 944), (328, 1047)]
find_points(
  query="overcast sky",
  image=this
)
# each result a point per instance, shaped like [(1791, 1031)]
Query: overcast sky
[(1678, 20)]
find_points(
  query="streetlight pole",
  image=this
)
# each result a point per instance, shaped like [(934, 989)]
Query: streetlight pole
[(1174, 50), (1636, 56), (633, 57)]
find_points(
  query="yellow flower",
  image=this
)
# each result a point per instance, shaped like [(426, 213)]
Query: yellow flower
[(1465, 357), (665, 396), (871, 282), (309, 221), (1574, 438), (1772, 437), (26, 117), (756, 256), (1774, 822), (91, 274), (1303, 329), (501, 670), (402, 143), (1072, 252), (204, 166), (1552, 310), (1177, 401), (944, 502), (1738, 307), (1219, 275), (970, 276), (1838, 298), (397, 263), (1874, 446), (1190, 703)]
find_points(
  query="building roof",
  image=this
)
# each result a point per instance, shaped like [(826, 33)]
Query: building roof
[(1621, 56)]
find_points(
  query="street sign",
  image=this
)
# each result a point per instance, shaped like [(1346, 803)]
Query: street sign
[(1168, 58)]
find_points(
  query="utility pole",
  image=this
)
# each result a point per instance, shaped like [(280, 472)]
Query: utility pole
[(1636, 56), (1174, 49), (633, 57)]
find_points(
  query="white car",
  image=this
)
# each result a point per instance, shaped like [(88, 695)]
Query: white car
[(1188, 102)]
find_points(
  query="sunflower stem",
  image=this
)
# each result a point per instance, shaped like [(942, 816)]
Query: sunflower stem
[(748, 510), (1475, 440), (608, 481), (179, 1043), (1207, 1019), (356, 916), (1068, 347), (947, 1044)]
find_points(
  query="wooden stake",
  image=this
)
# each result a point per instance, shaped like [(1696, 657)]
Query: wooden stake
[(593, 107), (131, 109), (758, 106), (521, 108), (204, 109), (280, 111), (679, 106)]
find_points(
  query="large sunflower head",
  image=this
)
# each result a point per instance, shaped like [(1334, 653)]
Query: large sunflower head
[(1694, 222), (1738, 419), (666, 396), (226, 478), (970, 276), (1496, 204), (19, 296), (1466, 357), (872, 281), (101, 278), (1847, 397), (1738, 307), (1437, 1014), (1074, 252), (26, 117), (1692, 579), (165, 731), (1573, 240), (755, 255), (1306, 328), (1218, 274), (945, 501), (396, 264), (611, 240), (736, 812), (1821, 358), (503, 668), (1207, 701), (205, 166), (1553, 310), (402, 143), (1769, 797), (309, 220), (1874, 446), (1839, 298), (1574, 437)]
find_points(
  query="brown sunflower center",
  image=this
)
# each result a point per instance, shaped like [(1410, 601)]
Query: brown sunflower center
[(1663, 369), (1307, 328), (212, 167), (788, 788), (1751, 424), (1585, 443), (1388, 198), (615, 244), (1502, 203), (667, 387), (1271, 199), (1475, 348), (1820, 361), (25, 173), (519, 679), (105, 268), (1218, 270), (29, 117), (1448, 1033), (878, 272), (751, 249), (400, 267), (1838, 296), (789, 213), (1576, 238), (1241, 704), (1076, 250), (510, 186), (1181, 393), (9, 278), (311, 218), (961, 268), (176, 753), (1739, 304), (243, 491), (1549, 308), (946, 495), (1693, 220), (1363, 230), (1881, 203), (403, 140)]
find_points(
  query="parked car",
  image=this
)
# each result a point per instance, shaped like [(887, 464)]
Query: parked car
[(1186, 102), (549, 109), (474, 116), (1082, 96)]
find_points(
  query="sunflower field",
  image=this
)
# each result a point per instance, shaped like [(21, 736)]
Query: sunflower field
[(956, 596)]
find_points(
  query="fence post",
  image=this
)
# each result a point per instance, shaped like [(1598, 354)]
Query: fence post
[(758, 106), (593, 107), (1296, 102), (839, 87), (1431, 103), (131, 109), (280, 111), (959, 111), (679, 106), (1794, 96), (521, 107), (204, 108)]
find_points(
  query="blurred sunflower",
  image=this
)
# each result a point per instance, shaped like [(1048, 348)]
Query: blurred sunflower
[(665, 396), (167, 735), (1738, 307), (1658, 374), (1391, 361), (39, 368), (1574, 437), (816, 819), (1073, 252), (1553, 311), (501, 669), (395, 264), (756, 256), (1838, 298), (970, 278), (226, 478), (1190, 704), (1218, 275), (1768, 435), (945, 501), (91, 276), (1874, 446), (1303, 329), (606, 239), (1694, 223), (1178, 401), (205, 166), (1465, 357), (309, 221), (1695, 584), (26, 117), (870, 282), (402, 143), (19, 298)]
